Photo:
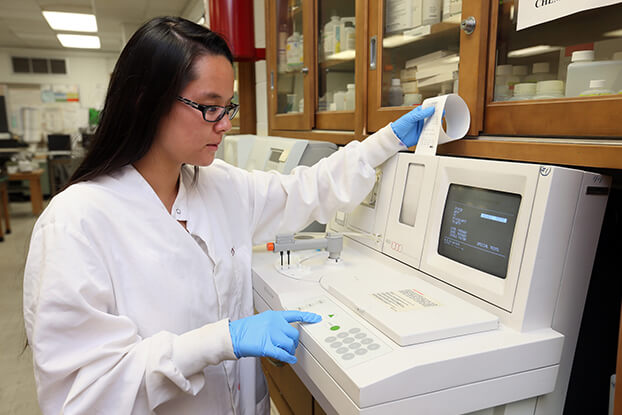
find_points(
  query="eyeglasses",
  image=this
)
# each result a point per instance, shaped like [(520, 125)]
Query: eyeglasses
[(212, 113)]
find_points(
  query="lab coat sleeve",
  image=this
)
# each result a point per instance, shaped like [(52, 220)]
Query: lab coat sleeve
[(87, 359), (286, 203)]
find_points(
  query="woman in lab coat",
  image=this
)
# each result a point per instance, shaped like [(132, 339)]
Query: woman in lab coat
[(137, 287)]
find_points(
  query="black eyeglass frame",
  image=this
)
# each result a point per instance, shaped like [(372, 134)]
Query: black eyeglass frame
[(231, 110)]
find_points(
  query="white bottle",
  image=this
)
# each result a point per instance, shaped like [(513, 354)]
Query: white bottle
[(337, 31), (502, 91), (452, 9), (348, 33), (523, 91), (584, 68), (293, 50), (396, 94), (328, 37), (340, 101), (349, 97), (282, 49), (549, 89), (431, 12), (540, 72), (597, 87)]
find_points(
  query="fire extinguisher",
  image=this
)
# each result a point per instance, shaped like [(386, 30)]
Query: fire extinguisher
[(233, 19)]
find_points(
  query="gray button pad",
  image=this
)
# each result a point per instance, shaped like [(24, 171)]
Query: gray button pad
[(340, 335)]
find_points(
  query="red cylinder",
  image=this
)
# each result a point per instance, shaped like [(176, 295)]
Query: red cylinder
[(233, 19)]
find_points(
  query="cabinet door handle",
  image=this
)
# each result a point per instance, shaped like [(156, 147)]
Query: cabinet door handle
[(468, 25), (373, 42), (271, 80)]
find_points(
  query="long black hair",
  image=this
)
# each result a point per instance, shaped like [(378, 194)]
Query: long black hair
[(154, 66)]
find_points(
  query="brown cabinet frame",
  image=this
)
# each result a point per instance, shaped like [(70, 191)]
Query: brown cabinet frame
[(586, 119), (568, 117)]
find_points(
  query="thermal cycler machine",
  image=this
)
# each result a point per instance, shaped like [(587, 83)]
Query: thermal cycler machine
[(460, 288)]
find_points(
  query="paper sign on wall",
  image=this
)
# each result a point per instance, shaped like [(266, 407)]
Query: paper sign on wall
[(534, 12)]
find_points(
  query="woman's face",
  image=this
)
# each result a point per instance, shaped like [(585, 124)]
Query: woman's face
[(183, 136)]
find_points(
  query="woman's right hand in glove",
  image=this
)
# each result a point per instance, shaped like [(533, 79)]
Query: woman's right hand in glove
[(269, 334)]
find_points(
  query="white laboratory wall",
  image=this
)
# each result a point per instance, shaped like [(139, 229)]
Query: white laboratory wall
[(261, 81), (90, 71)]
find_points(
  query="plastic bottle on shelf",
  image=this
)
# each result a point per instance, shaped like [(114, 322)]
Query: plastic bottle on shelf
[(583, 68), (349, 97), (452, 10), (396, 94), (340, 100), (502, 90), (549, 89), (597, 87), (577, 78), (282, 49), (540, 71), (337, 31), (431, 11), (294, 56), (328, 37), (523, 91), (348, 33)]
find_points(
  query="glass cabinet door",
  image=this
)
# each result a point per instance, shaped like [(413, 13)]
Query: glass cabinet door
[(289, 79), (543, 74), (336, 45), (416, 52)]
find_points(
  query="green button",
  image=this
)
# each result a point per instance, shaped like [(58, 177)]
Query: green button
[(331, 315), (334, 328)]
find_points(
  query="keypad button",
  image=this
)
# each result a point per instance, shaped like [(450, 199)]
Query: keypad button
[(342, 335), (354, 345), (354, 330), (367, 340), (341, 350), (336, 344), (360, 352), (373, 346), (348, 356), (348, 340), (360, 335), (330, 339)]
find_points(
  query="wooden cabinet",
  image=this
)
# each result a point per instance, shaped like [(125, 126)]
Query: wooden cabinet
[(552, 45), (288, 393), (305, 65), (577, 130)]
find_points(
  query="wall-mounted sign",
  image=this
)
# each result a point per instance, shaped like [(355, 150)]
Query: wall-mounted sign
[(534, 12)]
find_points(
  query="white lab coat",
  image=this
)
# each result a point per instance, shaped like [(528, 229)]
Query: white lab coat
[(127, 313)]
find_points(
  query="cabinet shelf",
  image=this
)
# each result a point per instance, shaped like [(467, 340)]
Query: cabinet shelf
[(340, 61), (291, 72), (420, 33)]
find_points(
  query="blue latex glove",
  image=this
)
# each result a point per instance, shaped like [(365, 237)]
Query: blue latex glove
[(269, 334), (408, 127)]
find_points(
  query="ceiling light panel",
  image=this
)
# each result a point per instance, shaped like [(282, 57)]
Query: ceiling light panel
[(79, 41), (74, 22)]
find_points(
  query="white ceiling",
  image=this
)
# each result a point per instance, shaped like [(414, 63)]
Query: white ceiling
[(22, 25)]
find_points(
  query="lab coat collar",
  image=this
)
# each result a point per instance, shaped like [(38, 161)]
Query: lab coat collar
[(180, 207), (179, 210)]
